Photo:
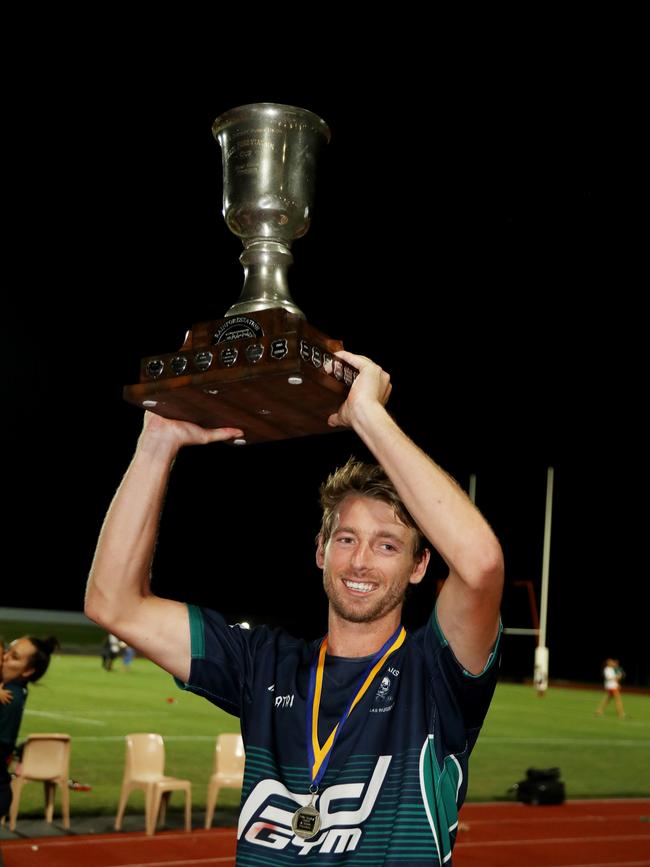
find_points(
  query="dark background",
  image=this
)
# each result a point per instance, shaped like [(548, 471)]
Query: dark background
[(473, 233)]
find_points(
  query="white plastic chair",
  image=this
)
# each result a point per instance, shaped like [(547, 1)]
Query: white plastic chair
[(228, 771), (144, 769), (46, 759)]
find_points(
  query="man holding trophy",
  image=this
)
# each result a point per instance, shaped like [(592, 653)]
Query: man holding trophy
[(357, 743)]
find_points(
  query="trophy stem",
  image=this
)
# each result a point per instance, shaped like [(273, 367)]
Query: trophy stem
[(265, 266)]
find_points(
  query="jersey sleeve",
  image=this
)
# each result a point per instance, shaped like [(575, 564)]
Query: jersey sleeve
[(223, 659), (468, 694)]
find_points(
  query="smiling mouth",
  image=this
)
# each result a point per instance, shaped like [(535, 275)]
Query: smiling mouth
[(359, 586)]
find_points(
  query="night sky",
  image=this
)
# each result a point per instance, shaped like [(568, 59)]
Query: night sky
[(474, 239)]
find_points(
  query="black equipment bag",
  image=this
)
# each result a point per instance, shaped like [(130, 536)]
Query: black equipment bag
[(541, 787)]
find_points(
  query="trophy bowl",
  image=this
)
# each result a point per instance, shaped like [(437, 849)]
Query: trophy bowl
[(261, 367)]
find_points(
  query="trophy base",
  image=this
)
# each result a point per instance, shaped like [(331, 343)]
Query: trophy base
[(269, 373)]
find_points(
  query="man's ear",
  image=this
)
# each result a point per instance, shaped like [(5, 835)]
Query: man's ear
[(320, 551), (420, 567), (28, 672)]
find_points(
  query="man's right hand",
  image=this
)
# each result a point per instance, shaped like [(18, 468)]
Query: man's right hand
[(157, 430), (119, 596)]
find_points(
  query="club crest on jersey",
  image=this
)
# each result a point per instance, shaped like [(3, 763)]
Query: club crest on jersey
[(384, 698), (384, 687), (265, 817)]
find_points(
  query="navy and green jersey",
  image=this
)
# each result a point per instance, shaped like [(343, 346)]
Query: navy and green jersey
[(398, 771)]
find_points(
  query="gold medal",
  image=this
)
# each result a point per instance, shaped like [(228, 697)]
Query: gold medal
[(306, 822)]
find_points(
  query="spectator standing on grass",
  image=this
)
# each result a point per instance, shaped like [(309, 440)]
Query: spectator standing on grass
[(128, 653), (110, 651), (613, 674)]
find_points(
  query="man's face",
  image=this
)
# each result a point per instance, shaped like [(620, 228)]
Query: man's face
[(16, 660), (368, 561)]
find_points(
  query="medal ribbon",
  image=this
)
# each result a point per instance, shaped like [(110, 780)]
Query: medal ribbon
[(318, 757)]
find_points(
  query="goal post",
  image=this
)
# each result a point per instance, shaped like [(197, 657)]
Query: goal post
[(540, 675)]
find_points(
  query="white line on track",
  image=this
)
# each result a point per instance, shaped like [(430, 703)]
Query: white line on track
[(128, 837), (616, 863), (594, 801), (540, 841), (227, 859), (557, 820)]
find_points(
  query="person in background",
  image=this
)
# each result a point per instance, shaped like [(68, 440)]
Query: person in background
[(128, 653), (24, 661), (110, 651), (613, 674)]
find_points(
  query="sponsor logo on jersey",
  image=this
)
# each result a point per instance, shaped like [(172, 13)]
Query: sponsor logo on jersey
[(265, 818)]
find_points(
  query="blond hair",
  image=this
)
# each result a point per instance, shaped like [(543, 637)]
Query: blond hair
[(363, 480)]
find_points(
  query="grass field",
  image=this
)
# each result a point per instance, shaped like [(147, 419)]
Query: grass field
[(598, 757)]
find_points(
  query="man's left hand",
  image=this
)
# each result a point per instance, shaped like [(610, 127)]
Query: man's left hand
[(372, 386)]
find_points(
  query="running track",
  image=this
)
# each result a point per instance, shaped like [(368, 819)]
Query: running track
[(576, 834)]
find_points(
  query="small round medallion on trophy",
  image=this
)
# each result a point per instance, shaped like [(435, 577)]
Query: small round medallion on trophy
[(253, 352), (155, 368), (178, 364), (203, 359), (228, 356)]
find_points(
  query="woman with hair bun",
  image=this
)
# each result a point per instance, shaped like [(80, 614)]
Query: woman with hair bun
[(24, 661)]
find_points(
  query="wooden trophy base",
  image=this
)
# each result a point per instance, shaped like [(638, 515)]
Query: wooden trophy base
[(269, 373)]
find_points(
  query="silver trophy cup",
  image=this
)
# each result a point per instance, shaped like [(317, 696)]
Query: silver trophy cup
[(270, 153), (262, 367)]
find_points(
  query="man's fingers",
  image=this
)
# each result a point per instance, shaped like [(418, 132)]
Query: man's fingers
[(219, 434), (360, 362), (186, 432), (357, 361)]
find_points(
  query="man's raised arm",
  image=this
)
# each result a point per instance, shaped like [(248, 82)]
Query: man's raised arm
[(118, 594), (468, 605)]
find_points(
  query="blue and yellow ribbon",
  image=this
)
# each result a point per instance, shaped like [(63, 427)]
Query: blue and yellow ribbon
[(318, 757)]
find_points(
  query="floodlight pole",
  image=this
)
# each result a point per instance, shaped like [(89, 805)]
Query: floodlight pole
[(541, 651)]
